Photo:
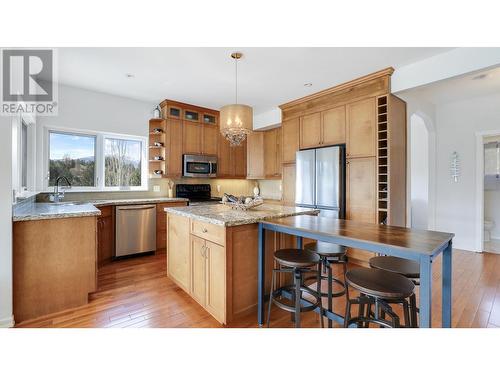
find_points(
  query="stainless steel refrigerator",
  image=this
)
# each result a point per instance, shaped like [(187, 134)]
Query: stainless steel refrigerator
[(320, 180)]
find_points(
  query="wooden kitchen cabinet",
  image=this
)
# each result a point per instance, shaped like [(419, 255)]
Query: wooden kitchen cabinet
[(361, 198), (255, 155), (191, 137), (231, 161), (178, 251), (272, 153), (361, 128), (288, 184), (239, 160), (325, 128), (310, 131), (215, 300), (290, 131), (173, 148), (105, 235), (333, 126), (54, 265), (209, 139), (161, 223), (198, 269), (208, 282)]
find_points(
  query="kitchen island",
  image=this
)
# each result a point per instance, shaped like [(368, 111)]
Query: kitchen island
[(212, 254)]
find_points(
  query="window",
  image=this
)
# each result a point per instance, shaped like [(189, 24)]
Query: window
[(122, 162), (73, 156), (96, 161)]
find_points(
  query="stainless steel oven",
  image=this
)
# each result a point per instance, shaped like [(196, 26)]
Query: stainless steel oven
[(199, 166)]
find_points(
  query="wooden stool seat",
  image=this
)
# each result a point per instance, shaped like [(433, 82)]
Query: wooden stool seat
[(405, 267), (326, 249), (296, 258), (379, 283)]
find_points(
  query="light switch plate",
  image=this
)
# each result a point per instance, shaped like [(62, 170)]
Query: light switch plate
[(156, 188)]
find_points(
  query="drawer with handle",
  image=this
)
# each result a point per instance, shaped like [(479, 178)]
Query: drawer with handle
[(211, 232)]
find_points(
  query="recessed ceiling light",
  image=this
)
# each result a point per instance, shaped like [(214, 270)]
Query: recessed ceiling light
[(309, 84), (129, 75), (481, 76)]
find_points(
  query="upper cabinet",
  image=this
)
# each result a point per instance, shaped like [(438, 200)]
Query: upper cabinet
[(272, 153), (324, 128), (184, 129), (209, 139), (333, 126), (310, 131), (362, 128), (289, 140), (255, 155), (191, 137), (231, 161)]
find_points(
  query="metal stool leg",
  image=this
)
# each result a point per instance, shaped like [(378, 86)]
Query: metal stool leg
[(298, 292), (413, 311), (271, 299), (330, 293), (318, 290), (406, 314)]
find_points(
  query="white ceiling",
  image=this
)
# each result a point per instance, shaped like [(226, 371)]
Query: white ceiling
[(205, 76), (472, 85)]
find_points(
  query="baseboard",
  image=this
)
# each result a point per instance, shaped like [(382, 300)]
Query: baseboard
[(7, 322)]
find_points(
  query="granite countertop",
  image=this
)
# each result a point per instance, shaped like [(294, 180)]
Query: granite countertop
[(224, 215), (116, 202), (41, 211)]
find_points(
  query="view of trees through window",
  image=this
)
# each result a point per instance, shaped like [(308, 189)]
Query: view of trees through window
[(73, 156), (76, 157), (122, 162)]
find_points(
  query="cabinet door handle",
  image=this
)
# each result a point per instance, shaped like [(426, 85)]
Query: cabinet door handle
[(202, 251), (206, 255), (204, 230)]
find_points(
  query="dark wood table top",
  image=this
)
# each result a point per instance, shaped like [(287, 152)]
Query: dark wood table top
[(403, 239)]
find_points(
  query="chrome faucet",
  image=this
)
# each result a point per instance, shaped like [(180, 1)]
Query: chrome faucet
[(56, 197)]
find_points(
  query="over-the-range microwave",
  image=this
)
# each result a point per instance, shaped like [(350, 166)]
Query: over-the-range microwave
[(199, 166)]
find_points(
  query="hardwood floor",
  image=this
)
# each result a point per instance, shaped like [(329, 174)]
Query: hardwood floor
[(137, 293)]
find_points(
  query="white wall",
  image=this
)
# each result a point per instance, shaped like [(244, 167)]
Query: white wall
[(90, 110), (456, 127), (419, 178), (492, 210), (5, 222)]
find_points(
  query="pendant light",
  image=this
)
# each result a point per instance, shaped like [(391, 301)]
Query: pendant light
[(236, 120)]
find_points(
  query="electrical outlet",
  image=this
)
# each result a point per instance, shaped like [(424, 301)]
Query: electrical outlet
[(156, 188), (218, 188)]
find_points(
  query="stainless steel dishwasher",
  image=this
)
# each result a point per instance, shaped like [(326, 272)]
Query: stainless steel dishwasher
[(135, 229)]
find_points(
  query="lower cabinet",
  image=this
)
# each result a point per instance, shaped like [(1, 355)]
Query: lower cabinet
[(208, 283), (178, 251), (361, 198), (105, 235)]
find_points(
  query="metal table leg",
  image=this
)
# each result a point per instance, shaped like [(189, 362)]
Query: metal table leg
[(446, 287), (425, 292), (261, 274)]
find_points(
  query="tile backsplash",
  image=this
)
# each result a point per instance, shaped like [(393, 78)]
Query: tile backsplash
[(269, 189)]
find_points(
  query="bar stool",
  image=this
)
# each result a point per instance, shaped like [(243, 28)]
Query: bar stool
[(297, 262), (378, 288), (407, 268), (330, 254)]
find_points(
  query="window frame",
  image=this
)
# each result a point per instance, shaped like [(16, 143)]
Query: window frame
[(99, 177)]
